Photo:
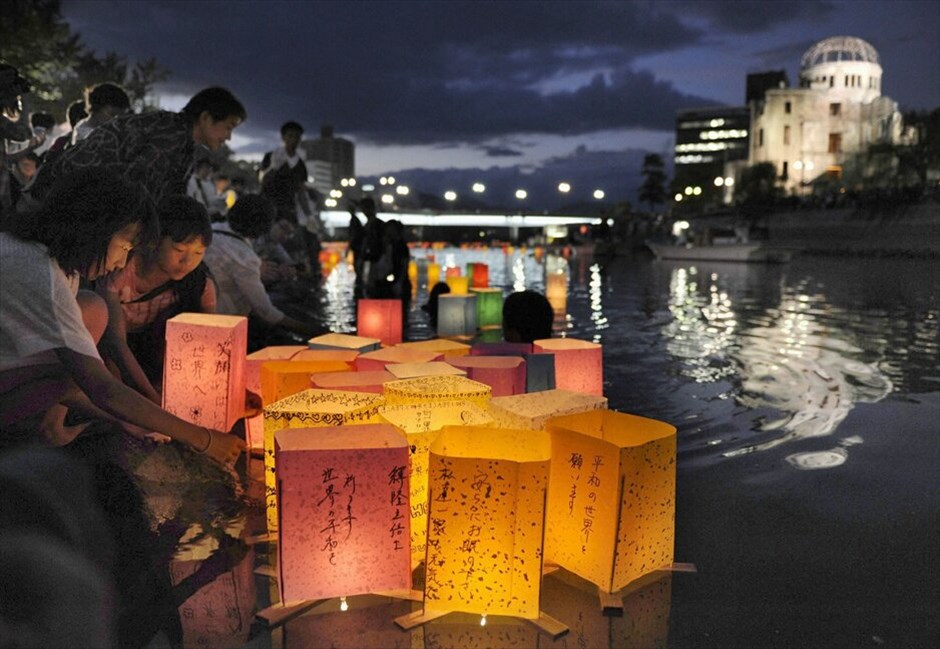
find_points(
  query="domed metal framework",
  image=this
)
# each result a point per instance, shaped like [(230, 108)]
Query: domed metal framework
[(839, 48)]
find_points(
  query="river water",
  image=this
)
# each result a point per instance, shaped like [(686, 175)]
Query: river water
[(807, 402)]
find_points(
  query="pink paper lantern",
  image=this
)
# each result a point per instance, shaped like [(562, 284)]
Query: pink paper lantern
[(504, 374), (204, 369), (380, 319), (344, 355), (352, 381), (377, 360), (579, 364), (343, 507), (254, 426), (500, 349)]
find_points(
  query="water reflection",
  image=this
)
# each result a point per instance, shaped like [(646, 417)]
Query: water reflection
[(783, 359)]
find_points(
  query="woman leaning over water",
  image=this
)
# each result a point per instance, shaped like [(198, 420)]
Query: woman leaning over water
[(49, 361)]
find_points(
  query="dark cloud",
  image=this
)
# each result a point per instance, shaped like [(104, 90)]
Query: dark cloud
[(750, 16), (501, 152)]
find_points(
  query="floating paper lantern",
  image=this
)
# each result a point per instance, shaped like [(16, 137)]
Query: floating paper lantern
[(539, 372), (421, 424), (612, 501), (254, 426), (480, 277), (413, 272), (204, 370), (307, 409), (556, 291), (428, 389), (360, 344), (348, 356), (504, 374), (344, 515), (379, 319), (370, 381), (280, 379), (489, 307), (440, 345), (458, 285), (377, 360), (414, 370), (456, 315), (534, 409), (579, 364), (486, 516), (452, 271), (434, 274), (500, 349)]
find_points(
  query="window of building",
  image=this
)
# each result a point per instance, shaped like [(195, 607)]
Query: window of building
[(760, 137), (786, 108), (832, 81), (786, 135), (835, 109), (835, 143), (784, 175)]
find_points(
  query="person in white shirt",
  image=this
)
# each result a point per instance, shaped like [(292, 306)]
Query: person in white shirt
[(201, 187)]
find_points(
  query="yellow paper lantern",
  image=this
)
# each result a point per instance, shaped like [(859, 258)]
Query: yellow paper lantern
[(439, 345), (532, 410), (504, 374), (371, 381), (456, 314), (489, 307), (377, 360), (428, 389), (458, 284), (413, 272), (486, 517), (612, 501), (434, 274), (204, 369), (254, 426), (308, 409), (579, 364), (414, 370), (556, 291), (344, 516), (421, 424), (360, 344), (380, 319)]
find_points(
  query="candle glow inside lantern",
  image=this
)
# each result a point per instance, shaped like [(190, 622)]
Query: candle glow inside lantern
[(204, 369), (533, 409), (309, 409), (344, 515), (280, 379), (458, 284), (579, 364), (370, 381), (611, 503), (380, 319), (414, 370), (456, 314), (489, 307), (429, 389), (377, 360), (556, 291), (360, 344), (480, 276), (254, 426), (421, 424), (486, 521), (439, 345), (504, 374)]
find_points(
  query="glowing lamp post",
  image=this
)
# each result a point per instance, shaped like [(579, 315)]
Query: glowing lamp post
[(310, 409), (504, 374), (380, 319), (532, 410), (204, 369), (343, 502), (612, 499), (579, 364), (456, 314), (489, 307)]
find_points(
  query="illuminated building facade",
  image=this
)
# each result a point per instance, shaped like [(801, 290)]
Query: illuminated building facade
[(337, 155), (711, 144)]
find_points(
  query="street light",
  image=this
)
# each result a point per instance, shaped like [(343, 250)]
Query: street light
[(719, 181), (450, 195), (678, 198), (479, 188), (598, 194), (402, 190), (564, 188), (521, 194), (388, 199)]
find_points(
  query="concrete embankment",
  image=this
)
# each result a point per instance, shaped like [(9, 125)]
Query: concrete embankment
[(904, 230)]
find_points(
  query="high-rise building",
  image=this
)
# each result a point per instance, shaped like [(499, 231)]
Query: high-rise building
[(711, 144), (329, 159)]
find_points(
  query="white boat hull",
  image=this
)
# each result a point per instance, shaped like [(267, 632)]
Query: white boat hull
[(746, 252)]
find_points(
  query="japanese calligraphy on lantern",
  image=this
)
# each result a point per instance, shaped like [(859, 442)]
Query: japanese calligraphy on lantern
[(532, 410), (428, 389), (486, 516), (421, 424), (611, 504), (343, 503), (204, 370), (307, 409)]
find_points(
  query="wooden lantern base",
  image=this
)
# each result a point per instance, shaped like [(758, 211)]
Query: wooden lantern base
[(612, 603), (544, 622)]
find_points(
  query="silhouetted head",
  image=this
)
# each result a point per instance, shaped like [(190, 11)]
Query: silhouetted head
[(527, 316), (107, 98)]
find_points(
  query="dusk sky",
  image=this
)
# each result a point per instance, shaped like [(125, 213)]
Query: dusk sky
[(501, 90)]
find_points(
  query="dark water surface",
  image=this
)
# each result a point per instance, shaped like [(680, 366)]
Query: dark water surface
[(807, 402)]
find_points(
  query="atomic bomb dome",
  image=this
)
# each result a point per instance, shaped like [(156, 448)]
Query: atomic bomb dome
[(845, 65), (839, 48)]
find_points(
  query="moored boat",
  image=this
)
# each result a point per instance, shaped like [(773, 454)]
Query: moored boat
[(746, 252)]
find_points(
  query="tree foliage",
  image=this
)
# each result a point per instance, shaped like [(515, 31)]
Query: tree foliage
[(757, 190), (653, 190), (36, 39)]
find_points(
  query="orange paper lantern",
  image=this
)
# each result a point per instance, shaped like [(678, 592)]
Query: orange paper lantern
[(254, 426), (532, 410), (556, 291), (486, 520), (371, 381), (379, 319), (377, 360), (280, 379), (612, 501), (204, 370), (348, 356), (481, 276), (579, 364), (344, 515), (414, 370), (504, 374), (439, 345)]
